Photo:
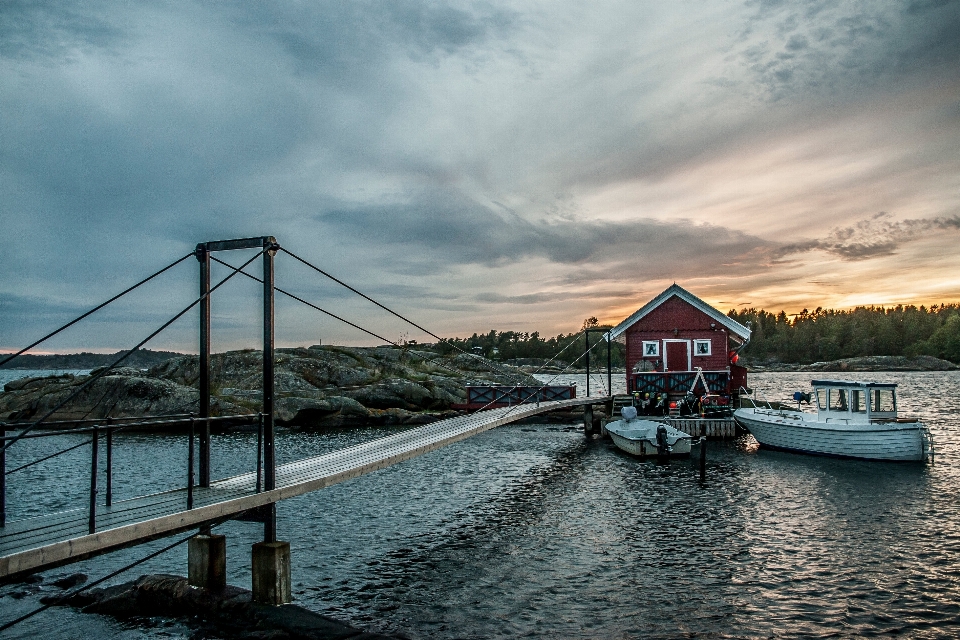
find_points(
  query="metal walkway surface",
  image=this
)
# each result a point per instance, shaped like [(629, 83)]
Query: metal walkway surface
[(35, 544)]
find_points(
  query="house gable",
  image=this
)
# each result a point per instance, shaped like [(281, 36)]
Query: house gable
[(676, 291)]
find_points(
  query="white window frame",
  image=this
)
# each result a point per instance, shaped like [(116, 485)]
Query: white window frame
[(696, 347), (656, 349)]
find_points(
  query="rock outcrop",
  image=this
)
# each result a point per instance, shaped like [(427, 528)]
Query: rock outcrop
[(315, 387)]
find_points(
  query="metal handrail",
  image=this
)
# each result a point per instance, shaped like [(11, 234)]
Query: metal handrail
[(118, 427)]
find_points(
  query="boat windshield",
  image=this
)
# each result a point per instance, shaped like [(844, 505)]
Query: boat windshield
[(822, 399), (838, 400), (857, 401), (883, 400)]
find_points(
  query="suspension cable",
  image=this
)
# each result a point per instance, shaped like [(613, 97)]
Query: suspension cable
[(332, 315), (557, 355), (298, 299), (52, 455), (113, 574), (405, 319), (103, 371), (543, 386), (95, 309)]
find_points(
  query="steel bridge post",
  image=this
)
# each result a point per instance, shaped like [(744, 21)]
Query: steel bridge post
[(203, 256), (269, 451), (94, 469), (109, 461), (609, 371), (586, 351), (3, 477)]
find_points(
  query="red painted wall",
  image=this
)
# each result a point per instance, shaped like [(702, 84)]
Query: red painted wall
[(690, 324)]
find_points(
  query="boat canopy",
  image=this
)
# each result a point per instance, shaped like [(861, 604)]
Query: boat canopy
[(854, 383), (857, 401)]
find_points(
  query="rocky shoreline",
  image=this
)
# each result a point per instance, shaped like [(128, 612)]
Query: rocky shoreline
[(864, 363), (316, 387)]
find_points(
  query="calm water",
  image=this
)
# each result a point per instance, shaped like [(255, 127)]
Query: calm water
[(530, 531)]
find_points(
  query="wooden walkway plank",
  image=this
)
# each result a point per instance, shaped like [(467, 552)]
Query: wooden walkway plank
[(39, 543)]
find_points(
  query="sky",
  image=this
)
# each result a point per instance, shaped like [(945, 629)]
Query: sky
[(510, 165)]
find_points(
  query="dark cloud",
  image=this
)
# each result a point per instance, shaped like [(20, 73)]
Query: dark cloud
[(877, 236), (837, 50), (40, 30), (457, 230)]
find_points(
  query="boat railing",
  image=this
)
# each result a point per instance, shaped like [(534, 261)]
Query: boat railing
[(926, 443), (742, 391)]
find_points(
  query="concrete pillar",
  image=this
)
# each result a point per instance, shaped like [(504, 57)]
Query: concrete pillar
[(207, 562), (271, 573)]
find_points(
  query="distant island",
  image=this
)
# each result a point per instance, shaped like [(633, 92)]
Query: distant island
[(141, 359)]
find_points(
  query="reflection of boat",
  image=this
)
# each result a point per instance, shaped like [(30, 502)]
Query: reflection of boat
[(647, 437), (853, 420)]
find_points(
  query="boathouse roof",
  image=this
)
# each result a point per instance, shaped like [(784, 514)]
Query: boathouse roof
[(731, 325)]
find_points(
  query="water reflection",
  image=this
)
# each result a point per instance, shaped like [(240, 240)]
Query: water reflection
[(531, 531)]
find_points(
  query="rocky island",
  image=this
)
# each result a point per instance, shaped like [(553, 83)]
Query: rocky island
[(316, 387)]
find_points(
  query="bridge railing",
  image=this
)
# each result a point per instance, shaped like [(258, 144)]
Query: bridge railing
[(109, 427)]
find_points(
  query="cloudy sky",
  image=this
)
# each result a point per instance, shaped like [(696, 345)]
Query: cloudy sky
[(499, 164)]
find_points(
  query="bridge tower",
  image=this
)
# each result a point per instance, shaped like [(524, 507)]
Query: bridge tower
[(207, 553)]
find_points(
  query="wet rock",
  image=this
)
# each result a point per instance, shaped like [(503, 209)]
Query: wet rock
[(231, 612), (69, 582)]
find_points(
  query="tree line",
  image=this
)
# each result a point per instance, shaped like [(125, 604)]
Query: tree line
[(829, 334), (513, 345), (803, 338)]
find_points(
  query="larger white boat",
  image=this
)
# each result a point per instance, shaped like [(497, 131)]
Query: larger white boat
[(853, 420)]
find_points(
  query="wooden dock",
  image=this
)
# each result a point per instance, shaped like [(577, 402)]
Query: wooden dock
[(725, 428), (40, 543)]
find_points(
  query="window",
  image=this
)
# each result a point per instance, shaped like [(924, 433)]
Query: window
[(838, 400), (857, 401), (651, 348), (701, 347), (883, 400), (822, 399)]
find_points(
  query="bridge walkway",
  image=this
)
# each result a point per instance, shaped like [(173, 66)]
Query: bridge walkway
[(39, 543)]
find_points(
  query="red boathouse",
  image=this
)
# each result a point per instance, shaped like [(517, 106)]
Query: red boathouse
[(672, 336)]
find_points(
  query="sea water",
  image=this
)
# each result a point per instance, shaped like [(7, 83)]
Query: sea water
[(533, 531)]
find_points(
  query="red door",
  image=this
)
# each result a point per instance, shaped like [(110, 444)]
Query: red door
[(677, 356)]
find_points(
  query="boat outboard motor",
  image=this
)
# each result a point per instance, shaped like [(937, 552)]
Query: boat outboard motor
[(628, 413), (663, 447), (800, 396)]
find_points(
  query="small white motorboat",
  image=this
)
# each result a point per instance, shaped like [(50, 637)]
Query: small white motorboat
[(853, 420), (647, 437)]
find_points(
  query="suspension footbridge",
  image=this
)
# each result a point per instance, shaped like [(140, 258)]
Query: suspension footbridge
[(102, 525)]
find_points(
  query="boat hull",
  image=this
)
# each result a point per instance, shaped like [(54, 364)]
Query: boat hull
[(785, 431)]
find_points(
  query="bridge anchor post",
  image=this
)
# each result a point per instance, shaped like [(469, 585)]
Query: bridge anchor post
[(271, 573), (207, 562)]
